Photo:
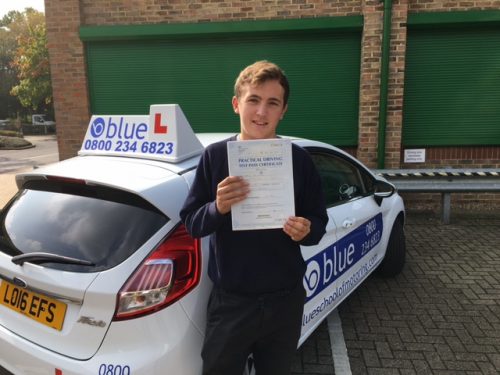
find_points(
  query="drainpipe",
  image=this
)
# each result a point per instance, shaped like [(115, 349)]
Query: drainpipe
[(384, 80)]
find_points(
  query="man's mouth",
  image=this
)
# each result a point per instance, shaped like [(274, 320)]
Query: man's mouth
[(260, 123)]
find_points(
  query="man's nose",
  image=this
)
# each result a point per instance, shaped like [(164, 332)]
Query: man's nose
[(261, 109)]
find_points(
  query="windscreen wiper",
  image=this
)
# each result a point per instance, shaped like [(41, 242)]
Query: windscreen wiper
[(38, 258)]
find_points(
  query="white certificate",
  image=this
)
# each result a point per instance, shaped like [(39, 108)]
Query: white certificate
[(267, 166)]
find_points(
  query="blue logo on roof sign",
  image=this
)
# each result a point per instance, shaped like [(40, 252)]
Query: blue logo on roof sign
[(97, 127), (334, 261), (118, 127)]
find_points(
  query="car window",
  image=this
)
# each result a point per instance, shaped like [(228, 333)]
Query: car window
[(93, 223), (342, 180)]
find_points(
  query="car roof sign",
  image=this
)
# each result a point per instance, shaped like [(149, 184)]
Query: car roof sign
[(163, 135)]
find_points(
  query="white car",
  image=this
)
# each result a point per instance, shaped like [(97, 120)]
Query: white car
[(98, 276)]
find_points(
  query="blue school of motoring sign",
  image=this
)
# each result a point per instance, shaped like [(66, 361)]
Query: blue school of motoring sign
[(164, 134), (334, 272), (337, 259)]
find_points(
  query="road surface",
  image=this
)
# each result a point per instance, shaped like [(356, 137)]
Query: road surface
[(44, 152)]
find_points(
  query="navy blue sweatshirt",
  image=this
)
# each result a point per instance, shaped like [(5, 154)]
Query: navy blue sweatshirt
[(252, 261)]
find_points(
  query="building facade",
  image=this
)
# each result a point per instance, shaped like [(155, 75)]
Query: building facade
[(399, 84)]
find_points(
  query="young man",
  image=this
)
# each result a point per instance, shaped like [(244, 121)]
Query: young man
[(257, 301)]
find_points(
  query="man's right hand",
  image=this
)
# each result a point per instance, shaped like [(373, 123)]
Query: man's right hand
[(231, 190)]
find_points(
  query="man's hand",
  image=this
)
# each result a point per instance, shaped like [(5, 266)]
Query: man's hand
[(231, 190), (297, 228)]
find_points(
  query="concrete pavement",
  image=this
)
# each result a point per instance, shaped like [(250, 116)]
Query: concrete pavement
[(44, 152), (7, 187)]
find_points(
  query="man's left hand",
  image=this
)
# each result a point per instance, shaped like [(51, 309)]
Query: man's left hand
[(297, 228)]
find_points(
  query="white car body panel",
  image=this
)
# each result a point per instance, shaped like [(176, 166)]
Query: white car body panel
[(344, 221), (335, 260), (132, 343)]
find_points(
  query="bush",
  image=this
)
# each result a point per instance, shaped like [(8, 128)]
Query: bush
[(10, 133), (13, 142)]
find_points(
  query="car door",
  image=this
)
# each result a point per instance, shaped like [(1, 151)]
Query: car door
[(354, 231)]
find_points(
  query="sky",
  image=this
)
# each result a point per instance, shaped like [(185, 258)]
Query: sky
[(6, 6)]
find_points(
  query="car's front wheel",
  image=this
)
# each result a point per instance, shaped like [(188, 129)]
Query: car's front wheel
[(395, 254)]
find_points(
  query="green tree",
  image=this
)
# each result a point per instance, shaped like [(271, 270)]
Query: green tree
[(9, 105), (31, 61)]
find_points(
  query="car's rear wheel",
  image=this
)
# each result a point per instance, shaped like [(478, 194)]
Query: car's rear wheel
[(395, 255)]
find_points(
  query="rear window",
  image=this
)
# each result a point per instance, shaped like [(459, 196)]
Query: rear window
[(94, 223)]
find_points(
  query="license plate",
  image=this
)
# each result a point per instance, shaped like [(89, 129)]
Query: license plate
[(43, 309)]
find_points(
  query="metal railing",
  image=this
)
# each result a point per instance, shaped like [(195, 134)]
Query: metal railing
[(444, 181)]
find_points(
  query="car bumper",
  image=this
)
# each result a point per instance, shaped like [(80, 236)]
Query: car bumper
[(147, 345)]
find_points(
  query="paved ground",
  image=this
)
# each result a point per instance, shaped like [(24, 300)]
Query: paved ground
[(440, 316), (7, 188), (43, 151), (17, 161)]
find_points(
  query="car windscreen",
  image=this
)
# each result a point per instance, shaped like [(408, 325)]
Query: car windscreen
[(97, 224)]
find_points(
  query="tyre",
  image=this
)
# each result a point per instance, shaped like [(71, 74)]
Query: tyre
[(395, 254)]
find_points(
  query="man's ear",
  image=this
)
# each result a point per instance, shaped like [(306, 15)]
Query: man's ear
[(235, 105), (284, 111)]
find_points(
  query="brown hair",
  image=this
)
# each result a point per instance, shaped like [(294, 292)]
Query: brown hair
[(260, 72)]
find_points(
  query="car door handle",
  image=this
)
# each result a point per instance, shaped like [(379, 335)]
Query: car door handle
[(348, 223)]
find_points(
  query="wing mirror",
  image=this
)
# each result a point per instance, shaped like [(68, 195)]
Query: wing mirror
[(382, 189)]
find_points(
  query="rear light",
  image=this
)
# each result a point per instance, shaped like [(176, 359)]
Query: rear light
[(71, 180), (166, 275)]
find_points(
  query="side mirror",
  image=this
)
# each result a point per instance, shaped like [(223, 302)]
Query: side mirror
[(382, 189)]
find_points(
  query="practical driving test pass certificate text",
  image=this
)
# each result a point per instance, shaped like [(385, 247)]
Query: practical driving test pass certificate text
[(267, 166)]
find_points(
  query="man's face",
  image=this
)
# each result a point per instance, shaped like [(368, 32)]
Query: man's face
[(260, 108)]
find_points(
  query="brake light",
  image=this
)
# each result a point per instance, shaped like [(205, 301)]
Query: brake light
[(71, 180), (166, 275)]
